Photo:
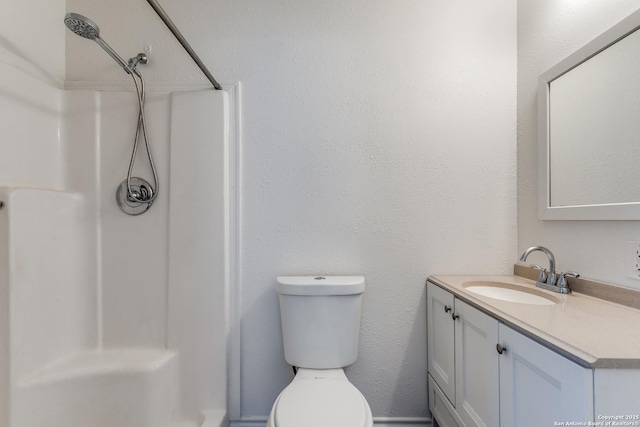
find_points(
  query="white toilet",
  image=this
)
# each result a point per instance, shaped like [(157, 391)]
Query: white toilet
[(320, 326)]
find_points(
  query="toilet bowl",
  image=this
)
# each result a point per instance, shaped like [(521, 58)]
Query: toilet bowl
[(320, 398), (320, 317)]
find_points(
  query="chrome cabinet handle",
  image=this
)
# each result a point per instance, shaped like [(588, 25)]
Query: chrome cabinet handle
[(500, 349)]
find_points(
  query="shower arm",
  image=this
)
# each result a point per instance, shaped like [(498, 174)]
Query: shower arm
[(169, 23)]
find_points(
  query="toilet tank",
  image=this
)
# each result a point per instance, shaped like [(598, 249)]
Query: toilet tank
[(320, 318)]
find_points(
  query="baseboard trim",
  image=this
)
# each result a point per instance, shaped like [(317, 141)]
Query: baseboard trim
[(402, 421), (377, 421)]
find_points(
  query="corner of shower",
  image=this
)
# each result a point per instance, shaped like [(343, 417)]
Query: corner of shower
[(101, 326), (135, 195)]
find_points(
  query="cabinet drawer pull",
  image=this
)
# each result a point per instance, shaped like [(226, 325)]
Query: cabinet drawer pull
[(501, 349), (454, 316), (447, 309)]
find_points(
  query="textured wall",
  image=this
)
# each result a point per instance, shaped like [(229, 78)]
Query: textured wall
[(549, 31), (378, 139)]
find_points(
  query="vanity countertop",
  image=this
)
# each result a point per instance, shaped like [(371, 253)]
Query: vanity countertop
[(592, 332)]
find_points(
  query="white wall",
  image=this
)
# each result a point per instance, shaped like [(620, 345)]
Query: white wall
[(548, 31), (29, 100), (33, 30), (378, 139)]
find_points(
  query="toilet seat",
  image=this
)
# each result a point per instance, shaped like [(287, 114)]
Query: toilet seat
[(321, 402)]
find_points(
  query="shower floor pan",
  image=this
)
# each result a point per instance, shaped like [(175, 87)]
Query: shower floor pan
[(124, 388)]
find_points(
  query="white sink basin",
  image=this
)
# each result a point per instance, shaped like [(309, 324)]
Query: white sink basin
[(510, 292)]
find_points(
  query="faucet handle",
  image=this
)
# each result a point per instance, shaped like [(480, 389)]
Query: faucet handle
[(542, 277), (562, 281)]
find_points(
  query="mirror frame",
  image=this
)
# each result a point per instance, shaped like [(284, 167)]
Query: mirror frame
[(614, 211)]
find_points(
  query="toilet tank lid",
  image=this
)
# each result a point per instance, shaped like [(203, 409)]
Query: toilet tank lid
[(320, 285)]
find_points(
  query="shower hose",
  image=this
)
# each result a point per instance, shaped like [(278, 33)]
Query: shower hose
[(144, 195)]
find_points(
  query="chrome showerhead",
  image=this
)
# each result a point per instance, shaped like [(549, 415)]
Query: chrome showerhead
[(82, 26), (85, 27)]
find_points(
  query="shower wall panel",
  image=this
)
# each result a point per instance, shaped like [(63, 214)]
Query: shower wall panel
[(47, 286), (53, 292), (30, 123), (5, 341), (128, 313), (198, 245), (162, 275), (134, 248)]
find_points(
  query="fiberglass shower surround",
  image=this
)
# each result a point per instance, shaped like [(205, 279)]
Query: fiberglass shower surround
[(89, 336), (135, 195)]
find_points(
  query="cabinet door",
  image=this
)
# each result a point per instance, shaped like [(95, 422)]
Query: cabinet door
[(477, 377), (538, 387), (616, 392), (440, 330)]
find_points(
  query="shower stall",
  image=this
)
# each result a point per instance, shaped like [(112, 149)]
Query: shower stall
[(108, 319)]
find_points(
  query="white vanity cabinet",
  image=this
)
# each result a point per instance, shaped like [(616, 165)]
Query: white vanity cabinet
[(463, 362), (483, 373), (440, 329), (539, 387)]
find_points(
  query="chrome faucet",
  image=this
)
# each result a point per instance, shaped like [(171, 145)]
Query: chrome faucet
[(549, 281), (543, 278)]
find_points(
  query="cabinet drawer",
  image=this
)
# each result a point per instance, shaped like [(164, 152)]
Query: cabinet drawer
[(441, 408)]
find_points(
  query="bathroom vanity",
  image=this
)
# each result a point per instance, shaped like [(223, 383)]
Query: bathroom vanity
[(502, 352)]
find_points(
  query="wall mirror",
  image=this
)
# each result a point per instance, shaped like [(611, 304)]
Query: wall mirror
[(589, 130)]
